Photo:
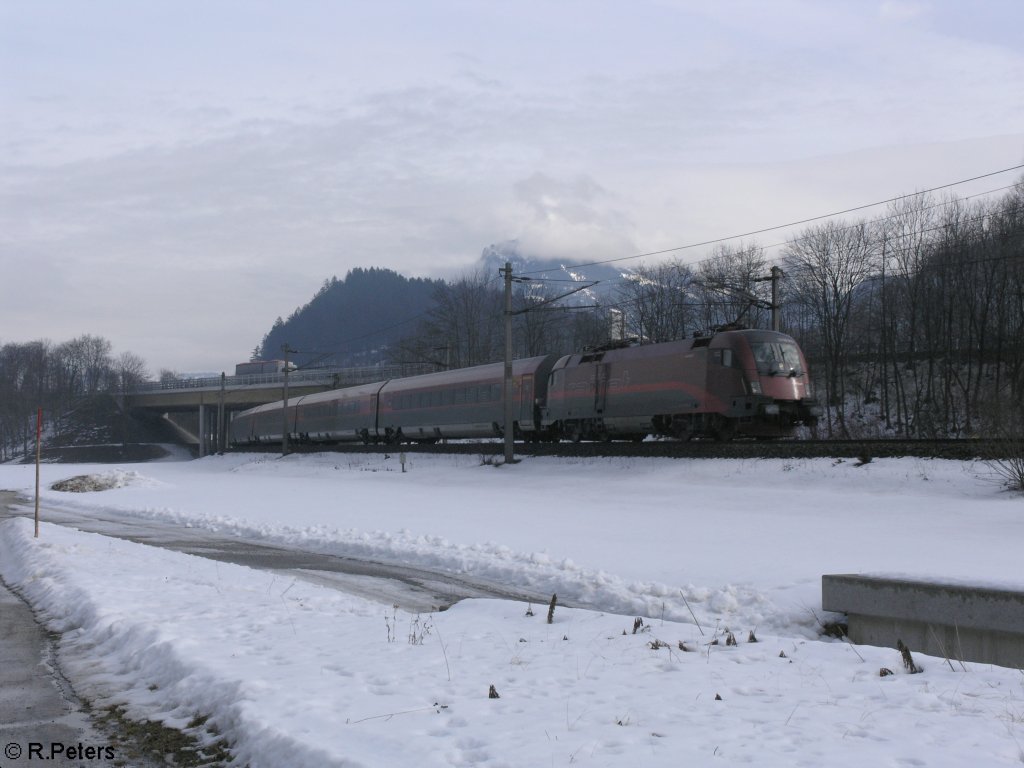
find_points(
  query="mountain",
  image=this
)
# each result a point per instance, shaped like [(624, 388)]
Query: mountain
[(358, 320), (353, 321), (551, 276)]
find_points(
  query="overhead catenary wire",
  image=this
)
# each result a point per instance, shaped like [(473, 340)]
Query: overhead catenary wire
[(777, 227), (889, 238)]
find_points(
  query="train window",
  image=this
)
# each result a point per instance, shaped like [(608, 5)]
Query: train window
[(460, 396), (773, 358), (722, 357)]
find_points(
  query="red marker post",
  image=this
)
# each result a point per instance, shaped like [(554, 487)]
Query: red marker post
[(39, 442)]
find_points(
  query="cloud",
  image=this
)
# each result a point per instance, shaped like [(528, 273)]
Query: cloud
[(898, 10), (576, 220), (327, 144)]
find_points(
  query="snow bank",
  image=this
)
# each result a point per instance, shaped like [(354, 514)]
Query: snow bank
[(299, 675)]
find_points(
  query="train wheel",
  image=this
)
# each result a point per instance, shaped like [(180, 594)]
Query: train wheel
[(681, 430), (725, 430)]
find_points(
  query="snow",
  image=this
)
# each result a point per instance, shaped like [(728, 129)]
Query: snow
[(294, 673)]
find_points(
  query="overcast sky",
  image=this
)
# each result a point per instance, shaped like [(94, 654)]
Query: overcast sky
[(175, 175)]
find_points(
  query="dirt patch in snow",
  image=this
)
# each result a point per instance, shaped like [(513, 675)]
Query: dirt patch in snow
[(104, 482)]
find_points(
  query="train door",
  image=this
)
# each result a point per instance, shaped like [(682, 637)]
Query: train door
[(725, 380), (525, 417), (600, 387)]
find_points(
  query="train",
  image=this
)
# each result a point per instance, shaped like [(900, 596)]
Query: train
[(731, 383)]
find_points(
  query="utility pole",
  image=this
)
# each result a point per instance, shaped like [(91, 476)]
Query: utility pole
[(284, 411), (221, 441), (39, 448), (508, 428), (776, 320)]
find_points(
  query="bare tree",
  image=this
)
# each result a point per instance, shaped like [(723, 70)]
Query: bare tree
[(23, 389), (827, 265), (656, 302), (728, 281), (465, 326), (129, 371)]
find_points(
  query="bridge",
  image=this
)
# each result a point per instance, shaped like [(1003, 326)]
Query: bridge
[(200, 409)]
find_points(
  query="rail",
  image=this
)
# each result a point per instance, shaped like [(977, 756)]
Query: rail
[(856, 452)]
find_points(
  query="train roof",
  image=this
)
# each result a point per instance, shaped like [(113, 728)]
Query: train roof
[(479, 373), (343, 393), (756, 334), (716, 340)]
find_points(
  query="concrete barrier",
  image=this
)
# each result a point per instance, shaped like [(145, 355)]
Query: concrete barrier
[(954, 621)]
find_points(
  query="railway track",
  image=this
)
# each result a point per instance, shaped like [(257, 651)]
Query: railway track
[(862, 450)]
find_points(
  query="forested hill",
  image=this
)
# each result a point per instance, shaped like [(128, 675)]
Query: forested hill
[(352, 321)]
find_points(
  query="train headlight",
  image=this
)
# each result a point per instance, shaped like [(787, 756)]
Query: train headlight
[(755, 387)]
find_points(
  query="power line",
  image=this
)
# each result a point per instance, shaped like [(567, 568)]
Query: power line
[(696, 265), (784, 226)]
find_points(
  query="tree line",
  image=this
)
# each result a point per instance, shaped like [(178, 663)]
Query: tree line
[(918, 314), (912, 322), (56, 378), (348, 322)]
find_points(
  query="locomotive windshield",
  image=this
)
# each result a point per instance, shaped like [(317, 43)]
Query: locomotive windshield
[(777, 358)]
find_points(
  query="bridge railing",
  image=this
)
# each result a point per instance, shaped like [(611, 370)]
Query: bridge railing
[(329, 377)]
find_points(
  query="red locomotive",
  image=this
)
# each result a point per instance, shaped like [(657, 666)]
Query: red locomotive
[(741, 382)]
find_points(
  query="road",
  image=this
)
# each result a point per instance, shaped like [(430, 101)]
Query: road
[(413, 589), (38, 704)]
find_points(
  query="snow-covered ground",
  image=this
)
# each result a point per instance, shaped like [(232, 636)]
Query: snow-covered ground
[(296, 674)]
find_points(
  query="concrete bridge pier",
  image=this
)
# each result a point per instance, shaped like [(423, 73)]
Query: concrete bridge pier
[(212, 433), (201, 432)]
